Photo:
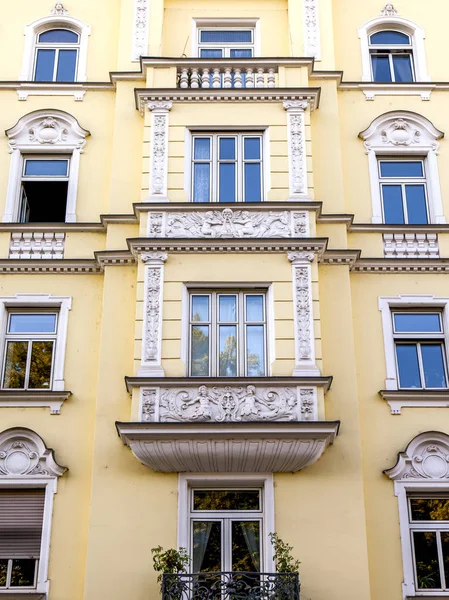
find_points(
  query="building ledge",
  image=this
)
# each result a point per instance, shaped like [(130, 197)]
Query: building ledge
[(33, 399), (22, 595), (397, 399), (228, 447)]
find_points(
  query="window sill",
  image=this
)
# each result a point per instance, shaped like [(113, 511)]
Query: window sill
[(371, 89), (33, 399), (22, 595), (397, 399)]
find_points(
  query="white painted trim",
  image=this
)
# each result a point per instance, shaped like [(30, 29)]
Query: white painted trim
[(36, 27), (63, 304), (311, 28), (400, 24), (159, 151), (297, 154), (23, 94), (141, 28), (197, 23), (386, 304), (271, 331), (263, 480)]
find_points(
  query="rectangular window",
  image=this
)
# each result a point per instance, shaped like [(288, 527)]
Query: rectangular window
[(226, 43), (420, 349), (404, 191), (227, 168), (429, 532), (29, 350), (228, 334), (45, 181), (21, 518)]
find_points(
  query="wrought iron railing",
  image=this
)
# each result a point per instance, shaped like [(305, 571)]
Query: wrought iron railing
[(231, 586)]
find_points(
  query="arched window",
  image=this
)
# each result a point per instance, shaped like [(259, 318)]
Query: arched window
[(56, 55), (391, 57)]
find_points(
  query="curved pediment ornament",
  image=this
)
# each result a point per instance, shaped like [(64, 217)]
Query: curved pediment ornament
[(426, 458), (23, 453), (50, 128), (401, 129)]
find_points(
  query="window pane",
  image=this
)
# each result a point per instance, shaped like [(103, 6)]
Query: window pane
[(201, 149), (407, 357), (15, 364), (381, 68), (397, 168), (429, 509), (206, 546), (252, 148), (254, 308), (40, 367), (227, 310), (211, 53), (389, 37), (200, 308), (227, 182), (402, 65), (228, 350), (60, 36), (227, 148), (433, 365), (246, 546), (200, 351), (45, 62), (32, 323), (416, 204), (392, 199), (253, 190), (201, 185), (66, 65), (247, 53), (255, 351), (46, 168), (445, 549), (417, 322), (3, 572), (22, 574), (426, 560), (220, 36), (226, 500)]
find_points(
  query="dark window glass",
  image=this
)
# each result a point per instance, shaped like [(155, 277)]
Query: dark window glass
[(253, 190), (59, 36), (45, 201), (3, 571), (242, 53), (226, 500), (200, 351), (206, 53), (397, 168), (251, 149), (246, 546), (393, 208), (45, 63), (429, 509), (227, 148), (445, 550), (426, 560), (206, 547), (417, 322), (402, 65), (415, 196), (433, 365), (389, 37), (66, 65), (15, 365), (227, 182), (381, 69), (227, 37), (22, 574), (40, 366), (407, 357)]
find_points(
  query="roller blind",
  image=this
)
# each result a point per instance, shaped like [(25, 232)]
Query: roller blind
[(21, 517)]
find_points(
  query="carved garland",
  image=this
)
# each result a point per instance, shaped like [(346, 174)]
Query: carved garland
[(141, 28), (311, 28), (303, 313), (297, 146)]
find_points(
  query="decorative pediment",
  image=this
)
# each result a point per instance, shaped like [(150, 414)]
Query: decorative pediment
[(388, 10), (401, 129), (47, 129), (426, 458), (59, 10), (23, 453)]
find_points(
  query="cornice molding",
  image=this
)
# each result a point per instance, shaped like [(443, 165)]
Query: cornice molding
[(36, 398), (382, 228), (288, 205), (340, 257), (396, 265), (66, 266), (114, 258)]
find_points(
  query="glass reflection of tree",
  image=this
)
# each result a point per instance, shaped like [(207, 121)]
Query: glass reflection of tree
[(228, 358), (16, 364), (254, 367), (200, 348), (40, 367)]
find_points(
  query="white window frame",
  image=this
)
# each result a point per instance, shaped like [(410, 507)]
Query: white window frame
[(403, 135), (226, 47), (36, 302), (262, 132), (391, 304), (389, 50), (57, 47), (228, 24), (34, 29), (262, 481), (26, 140), (396, 23)]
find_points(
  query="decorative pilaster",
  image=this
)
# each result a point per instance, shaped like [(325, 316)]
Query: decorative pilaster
[(152, 315), (159, 150), (297, 148), (303, 314), (311, 29), (141, 28)]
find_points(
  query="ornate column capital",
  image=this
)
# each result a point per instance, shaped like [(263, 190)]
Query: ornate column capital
[(154, 258), (297, 258), (160, 106), (295, 105)]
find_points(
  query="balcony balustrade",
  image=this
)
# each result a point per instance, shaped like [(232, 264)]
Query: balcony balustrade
[(218, 75), (231, 586)]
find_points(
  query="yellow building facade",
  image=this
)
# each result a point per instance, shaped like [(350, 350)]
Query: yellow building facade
[(223, 310)]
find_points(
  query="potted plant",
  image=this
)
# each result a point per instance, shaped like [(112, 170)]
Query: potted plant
[(170, 562), (287, 566)]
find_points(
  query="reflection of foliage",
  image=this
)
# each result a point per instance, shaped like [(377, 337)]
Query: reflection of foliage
[(255, 369), (40, 364), (228, 358), (40, 367), (226, 500), (430, 509), (427, 581), (22, 572), (283, 559), (3, 572), (244, 558), (426, 556), (16, 357), (200, 351), (211, 558)]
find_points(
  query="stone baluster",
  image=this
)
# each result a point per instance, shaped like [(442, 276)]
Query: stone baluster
[(271, 78), (260, 78), (216, 79), (184, 78), (227, 77), (194, 78), (432, 239), (238, 78), (205, 79), (249, 78)]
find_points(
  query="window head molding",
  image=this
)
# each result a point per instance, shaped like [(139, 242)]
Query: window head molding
[(58, 18), (44, 132), (404, 134), (426, 458), (390, 20)]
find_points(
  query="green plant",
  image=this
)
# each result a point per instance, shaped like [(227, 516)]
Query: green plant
[(170, 561), (283, 559)]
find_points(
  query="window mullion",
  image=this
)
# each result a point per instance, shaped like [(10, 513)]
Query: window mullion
[(214, 196), (9, 573), (420, 365), (390, 58), (440, 560), (240, 177), (241, 334), (55, 66), (28, 364), (214, 338), (404, 202)]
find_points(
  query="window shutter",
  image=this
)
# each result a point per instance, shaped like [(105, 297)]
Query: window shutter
[(21, 517)]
